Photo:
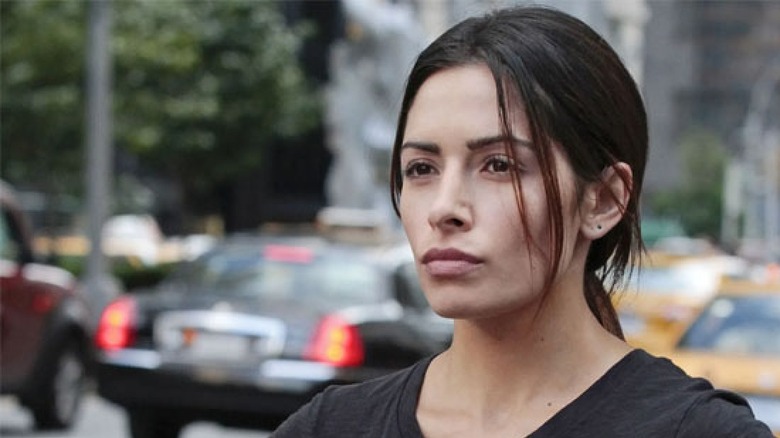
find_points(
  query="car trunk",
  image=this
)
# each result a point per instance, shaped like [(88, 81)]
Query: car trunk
[(216, 329)]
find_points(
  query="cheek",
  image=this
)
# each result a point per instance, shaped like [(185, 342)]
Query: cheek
[(533, 206), (412, 212), (501, 207)]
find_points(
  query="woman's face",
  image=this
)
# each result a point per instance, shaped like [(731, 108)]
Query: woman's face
[(458, 202)]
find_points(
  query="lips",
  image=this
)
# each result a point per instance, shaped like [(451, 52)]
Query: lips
[(449, 262)]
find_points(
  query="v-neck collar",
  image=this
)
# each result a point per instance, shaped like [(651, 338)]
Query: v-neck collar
[(557, 425)]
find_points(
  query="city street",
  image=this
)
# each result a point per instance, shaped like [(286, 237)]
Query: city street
[(100, 419)]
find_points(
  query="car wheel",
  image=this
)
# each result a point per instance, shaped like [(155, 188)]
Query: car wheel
[(61, 390), (147, 424)]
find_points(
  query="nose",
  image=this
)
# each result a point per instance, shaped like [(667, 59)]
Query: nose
[(452, 206)]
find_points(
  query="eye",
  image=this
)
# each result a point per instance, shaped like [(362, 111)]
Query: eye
[(499, 164), (417, 169)]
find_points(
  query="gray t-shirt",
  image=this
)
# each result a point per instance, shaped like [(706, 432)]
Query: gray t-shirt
[(640, 396)]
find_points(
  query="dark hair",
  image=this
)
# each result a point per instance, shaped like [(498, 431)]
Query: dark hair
[(576, 92)]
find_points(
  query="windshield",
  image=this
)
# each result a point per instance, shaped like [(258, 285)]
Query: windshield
[(286, 273), (748, 324)]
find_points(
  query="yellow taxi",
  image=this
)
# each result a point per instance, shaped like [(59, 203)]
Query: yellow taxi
[(734, 342), (667, 292)]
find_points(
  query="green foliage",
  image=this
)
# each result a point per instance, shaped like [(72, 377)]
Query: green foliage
[(41, 74), (697, 203), (203, 87), (137, 277), (130, 273), (200, 88)]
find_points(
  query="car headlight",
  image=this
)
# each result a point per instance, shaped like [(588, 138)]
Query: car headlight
[(766, 409)]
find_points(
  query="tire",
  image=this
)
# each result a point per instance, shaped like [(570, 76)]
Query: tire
[(157, 424), (61, 389)]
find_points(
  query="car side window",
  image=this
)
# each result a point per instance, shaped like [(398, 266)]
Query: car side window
[(9, 240)]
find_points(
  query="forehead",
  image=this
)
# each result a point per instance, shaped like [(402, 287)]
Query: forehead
[(459, 101)]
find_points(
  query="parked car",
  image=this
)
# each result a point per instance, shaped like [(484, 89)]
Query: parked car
[(44, 324), (250, 331), (134, 236), (735, 343), (667, 292)]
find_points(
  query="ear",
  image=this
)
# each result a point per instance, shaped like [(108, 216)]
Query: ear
[(604, 201)]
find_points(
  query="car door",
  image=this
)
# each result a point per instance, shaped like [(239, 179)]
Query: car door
[(21, 322)]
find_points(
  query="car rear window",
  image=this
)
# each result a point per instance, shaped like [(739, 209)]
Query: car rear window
[(9, 237), (288, 273)]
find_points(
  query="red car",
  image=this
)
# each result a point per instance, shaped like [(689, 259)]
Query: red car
[(45, 348)]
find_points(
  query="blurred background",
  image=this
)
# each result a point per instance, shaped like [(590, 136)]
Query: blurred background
[(153, 129)]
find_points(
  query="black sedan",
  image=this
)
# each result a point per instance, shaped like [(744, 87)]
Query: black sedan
[(252, 330)]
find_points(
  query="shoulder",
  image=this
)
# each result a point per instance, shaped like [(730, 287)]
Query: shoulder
[(355, 409), (341, 400), (720, 413), (690, 406)]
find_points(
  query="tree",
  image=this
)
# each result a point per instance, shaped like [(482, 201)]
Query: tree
[(200, 89), (697, 202), (42, 93), (208, 85)]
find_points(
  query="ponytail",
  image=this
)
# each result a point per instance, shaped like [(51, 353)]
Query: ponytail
[(601, 305)]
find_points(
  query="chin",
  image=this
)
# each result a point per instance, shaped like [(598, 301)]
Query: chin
[(451, 312), (451, 304), (475, 305), (467, 309)]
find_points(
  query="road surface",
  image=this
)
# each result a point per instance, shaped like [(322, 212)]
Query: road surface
[(100, 419)]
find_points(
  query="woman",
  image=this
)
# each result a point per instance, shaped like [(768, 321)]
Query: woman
[(516, 172)]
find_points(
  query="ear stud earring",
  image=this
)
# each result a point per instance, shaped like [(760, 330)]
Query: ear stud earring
[(598, 227)]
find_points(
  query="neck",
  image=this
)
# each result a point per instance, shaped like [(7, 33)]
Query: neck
[(535, 363), (545, 346), (536, 352)]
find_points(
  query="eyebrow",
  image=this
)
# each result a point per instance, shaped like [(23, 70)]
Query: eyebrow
[(489, 141), (475, 144)]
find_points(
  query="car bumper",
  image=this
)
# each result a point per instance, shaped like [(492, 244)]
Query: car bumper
[(274, 388)]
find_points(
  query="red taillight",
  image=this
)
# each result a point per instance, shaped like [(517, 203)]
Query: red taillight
[(336, 342), (116, 327)]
